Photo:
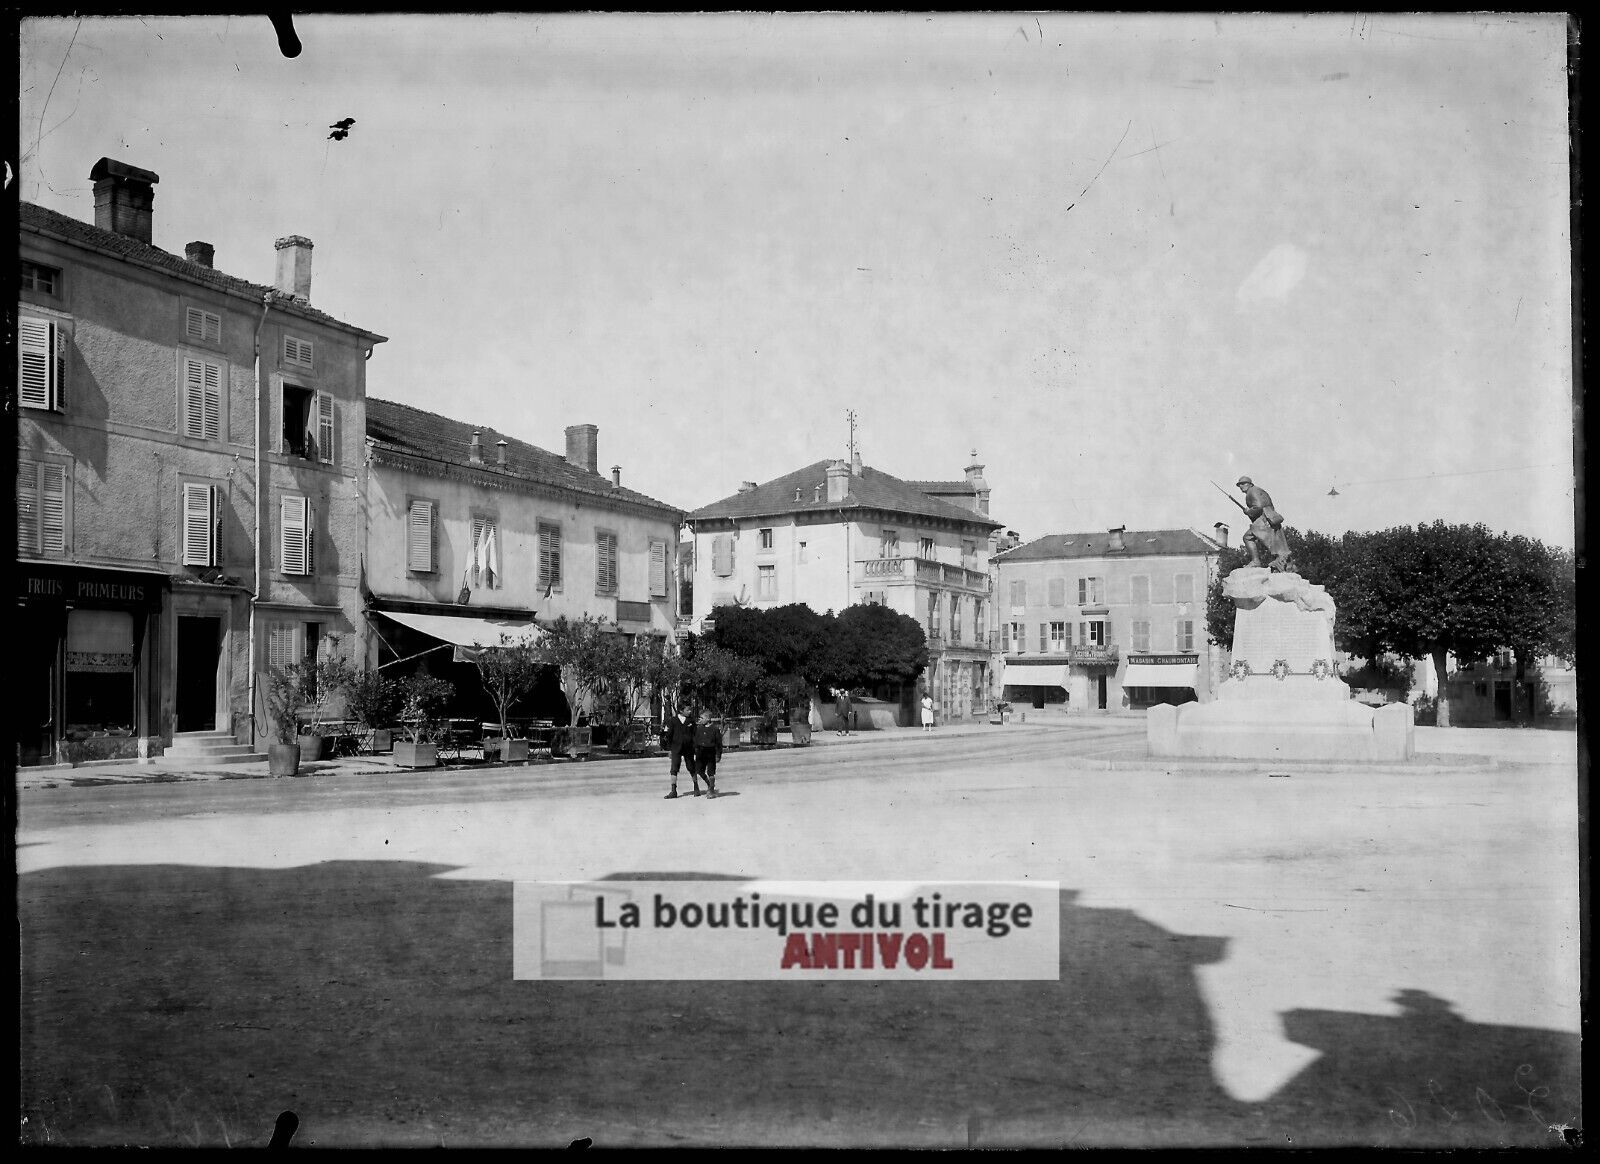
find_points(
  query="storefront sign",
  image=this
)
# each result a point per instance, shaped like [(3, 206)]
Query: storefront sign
[(60, 585), (1164, 660)]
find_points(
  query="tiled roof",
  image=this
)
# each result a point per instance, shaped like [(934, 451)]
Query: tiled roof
[(874, 489), (43, 221), (405, 429), (942, 487), (1139, 542)]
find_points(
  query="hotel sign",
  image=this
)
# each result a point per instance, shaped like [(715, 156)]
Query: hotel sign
[(64, 585)]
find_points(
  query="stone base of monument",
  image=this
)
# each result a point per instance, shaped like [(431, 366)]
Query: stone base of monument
[(1283, 699)]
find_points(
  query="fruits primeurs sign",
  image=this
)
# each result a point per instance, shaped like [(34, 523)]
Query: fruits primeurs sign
[(68, 585)]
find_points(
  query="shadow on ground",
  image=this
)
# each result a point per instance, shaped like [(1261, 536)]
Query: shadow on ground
[(192, 1005)]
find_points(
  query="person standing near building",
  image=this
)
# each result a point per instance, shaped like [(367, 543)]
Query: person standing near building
[(679, 742), (843, 709), (927, 712), (707, 751)]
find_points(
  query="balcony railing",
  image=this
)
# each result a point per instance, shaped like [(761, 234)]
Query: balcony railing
[(897, 571)]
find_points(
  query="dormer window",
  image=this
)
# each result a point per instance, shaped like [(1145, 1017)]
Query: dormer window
[(297, 352)]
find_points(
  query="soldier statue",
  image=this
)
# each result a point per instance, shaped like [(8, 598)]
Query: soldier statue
[(1264, 539)]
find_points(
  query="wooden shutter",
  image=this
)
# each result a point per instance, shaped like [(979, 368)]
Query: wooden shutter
[(297, 351), (1044, 637), (40, 356), (479, 566), (549, 556), (202, 325), (202, 399), (658, 569), (294, 555), (325, 444), (1183, 588), (1019, 593), (419, 537), (722, 555), (1058, 592), (27, 505), (53, 508), (605, 577), (199, 524), (280, 644)]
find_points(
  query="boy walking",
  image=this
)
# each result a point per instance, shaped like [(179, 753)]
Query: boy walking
[(679, 741), (707, 751)]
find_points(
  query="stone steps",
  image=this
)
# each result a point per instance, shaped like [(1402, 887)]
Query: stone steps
[(209, 747)]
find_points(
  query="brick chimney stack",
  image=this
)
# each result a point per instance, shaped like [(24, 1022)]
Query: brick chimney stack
[(1221, 531), (475, 449), (500, 453), (838, 480), (583, 446), (294, 267), (200, 253), (1117, 545), (124, 198)]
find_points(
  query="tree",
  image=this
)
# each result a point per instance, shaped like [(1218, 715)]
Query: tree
[(508, 672), (574, 646), (1220, 609), (873, 644), (785, 640), (721, 680)]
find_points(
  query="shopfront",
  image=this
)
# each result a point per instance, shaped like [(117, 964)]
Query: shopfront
[(1155, 679), (88, 652)]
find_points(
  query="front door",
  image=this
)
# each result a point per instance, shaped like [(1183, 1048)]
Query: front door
[(1502, 699), (195, 694), (1100, 692)]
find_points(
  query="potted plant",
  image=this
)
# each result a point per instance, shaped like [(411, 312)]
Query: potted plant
[(800, 715), (370, 699), (284, 692), (508, 672), (1001, 713), (324, 678), (421, 698)]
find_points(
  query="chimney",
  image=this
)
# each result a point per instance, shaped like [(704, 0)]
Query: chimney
[(200, 253), (855, 466), (583, 447), (979, 485), (123, 198), (1116, 539), (475, 450), (797, 494), (747, 486), (838, 480), (1222, 534), (500, 453), (294, 267), (616, 476), (816, 495)]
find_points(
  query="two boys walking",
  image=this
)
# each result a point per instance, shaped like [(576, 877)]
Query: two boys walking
[(698, 746)]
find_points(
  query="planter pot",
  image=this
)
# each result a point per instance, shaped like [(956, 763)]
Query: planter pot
[(382, 740), (409, 755), (730, 735), (579, 741), (283, 759), (765, 736), (506, 751), (801, 732), (311, 747)]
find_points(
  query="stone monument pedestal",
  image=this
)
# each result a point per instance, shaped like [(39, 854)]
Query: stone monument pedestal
[(1282, 700)]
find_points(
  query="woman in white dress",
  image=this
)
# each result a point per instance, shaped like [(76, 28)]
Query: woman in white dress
[(927, 713)]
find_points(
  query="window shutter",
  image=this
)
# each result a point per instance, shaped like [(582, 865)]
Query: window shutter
[(605, 579), (36, 342), (658, 569), (202, 325), (311, 538), (199, 524), (1183, 588), (1083, 592), (293, 523), (280, 644), (419, 537), (1141, 590), (27, 505), (1058, 592), (549, 556), (722, 555), (53, 508), (325, 428), (1044, 637), (297, 351), (477, 548), (202, 399)]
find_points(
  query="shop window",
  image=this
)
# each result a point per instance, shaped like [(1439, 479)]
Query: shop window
[(485, 552), (99, 696), (605, 562), (202, 399), (41, 363), (421, 537), (42, 508)]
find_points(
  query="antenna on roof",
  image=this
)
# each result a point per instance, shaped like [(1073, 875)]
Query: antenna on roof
[(850, 415)]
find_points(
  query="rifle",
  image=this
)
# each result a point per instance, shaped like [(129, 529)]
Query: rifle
[(1231, 498)]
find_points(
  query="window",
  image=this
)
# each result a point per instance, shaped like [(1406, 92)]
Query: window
[(955, 618), (202, 525), (1183, 588), (925, 547), (934, 607), (202, 326), (295, 535), (485, 552), (1141, 636), (767, 582), (1092, 633), (1019, 593), (805, 554), (420, 537), (41, 507), (1141, 590), (1185, 634), (722, 555), (658, 569), (1044, 637), (605, 562), (889, 544), (1058, 592), (308, 424), (1019, 644), (41, 363), (38, 277), (202, 399), (969, 554), (297, 352), (977, 621), (764, 541), (293, 642), (1060, 636), (549, 557), (1089, 592)]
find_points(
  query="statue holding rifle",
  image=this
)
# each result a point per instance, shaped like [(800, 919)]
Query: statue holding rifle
[(1264, 539)]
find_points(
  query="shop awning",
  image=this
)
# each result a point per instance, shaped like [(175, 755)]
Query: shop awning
[(1052, 675), (1161, 675), (466, 632)]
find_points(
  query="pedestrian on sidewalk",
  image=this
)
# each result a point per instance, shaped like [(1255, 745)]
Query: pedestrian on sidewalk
[(927, 712), (678, 739), (707, 751), (843, 710)]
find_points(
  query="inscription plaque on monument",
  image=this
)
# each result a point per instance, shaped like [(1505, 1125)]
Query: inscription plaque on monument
[(1280, 630)]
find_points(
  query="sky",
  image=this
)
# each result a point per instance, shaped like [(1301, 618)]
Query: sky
[(1121, 257)]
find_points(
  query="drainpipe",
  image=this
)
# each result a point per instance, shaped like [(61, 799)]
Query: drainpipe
[(255, 593)]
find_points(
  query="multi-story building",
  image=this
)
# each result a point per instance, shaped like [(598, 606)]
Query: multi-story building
[(837, 533), (154, 392), (1100, 621), (471, 532)]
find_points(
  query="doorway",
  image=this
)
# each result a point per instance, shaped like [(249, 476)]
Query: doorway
[(1100, 692), (1502, 700), (195, 687)]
